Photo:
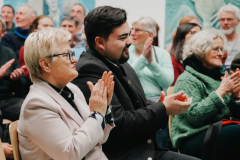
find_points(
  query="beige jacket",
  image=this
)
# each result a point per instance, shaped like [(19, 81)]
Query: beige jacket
[(50, 128)]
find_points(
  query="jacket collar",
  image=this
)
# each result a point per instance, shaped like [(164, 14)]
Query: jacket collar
[(66, 107)]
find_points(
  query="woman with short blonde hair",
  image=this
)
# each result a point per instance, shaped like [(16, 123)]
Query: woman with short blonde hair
[(55, 121)]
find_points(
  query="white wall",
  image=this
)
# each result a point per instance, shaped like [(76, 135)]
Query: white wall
[(136, 8)]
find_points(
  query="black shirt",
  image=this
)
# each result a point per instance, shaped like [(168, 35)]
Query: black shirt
[(68, 95)]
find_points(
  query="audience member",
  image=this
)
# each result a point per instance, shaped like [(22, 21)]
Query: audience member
[(136, 119), (229, 18), (24, 17), (11, 80), (39, 23), (70, 24), (213, 99), (8, 13), (79, 12), (183, 34), (153, 65), (185, 19), (56, 122)]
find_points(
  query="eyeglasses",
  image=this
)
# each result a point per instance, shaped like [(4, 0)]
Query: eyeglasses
[(137, 30), (69, 55), (217, 49)]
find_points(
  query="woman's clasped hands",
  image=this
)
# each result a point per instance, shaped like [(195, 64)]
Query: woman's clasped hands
[(101, 93), (230, 84)]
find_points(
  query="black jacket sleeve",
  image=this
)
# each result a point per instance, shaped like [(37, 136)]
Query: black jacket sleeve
[(129, 121)]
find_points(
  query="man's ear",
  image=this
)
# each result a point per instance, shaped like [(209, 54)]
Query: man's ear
[(238, 21), (45, 64), (100, 43)]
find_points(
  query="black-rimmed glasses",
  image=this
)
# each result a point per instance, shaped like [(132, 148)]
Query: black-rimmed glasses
[(71, 54)]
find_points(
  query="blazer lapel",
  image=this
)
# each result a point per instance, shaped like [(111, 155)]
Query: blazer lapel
[(66, 107)]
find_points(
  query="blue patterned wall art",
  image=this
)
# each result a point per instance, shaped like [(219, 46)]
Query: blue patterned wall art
[(205, 10)]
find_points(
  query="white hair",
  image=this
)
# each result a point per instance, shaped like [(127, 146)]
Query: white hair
[(201, 43), (147, 23), (32, 11), (41, 44), (4, 27), (230, 8)]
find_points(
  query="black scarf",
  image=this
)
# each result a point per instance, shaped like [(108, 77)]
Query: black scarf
[(215, 73)]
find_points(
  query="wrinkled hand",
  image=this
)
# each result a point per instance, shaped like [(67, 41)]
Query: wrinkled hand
[(174, 106), (5, 68), (236, 91), (17, 73), (98, 99), (109, 83), (147, 49), (7, 148), (229, 83)]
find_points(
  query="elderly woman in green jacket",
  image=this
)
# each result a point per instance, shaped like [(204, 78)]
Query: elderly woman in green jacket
[(215, 96)]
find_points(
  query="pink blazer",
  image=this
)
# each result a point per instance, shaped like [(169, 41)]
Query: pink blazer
[(49, 127)]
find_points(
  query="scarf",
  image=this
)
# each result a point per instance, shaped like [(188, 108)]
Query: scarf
[(215, 73), (23, 33)]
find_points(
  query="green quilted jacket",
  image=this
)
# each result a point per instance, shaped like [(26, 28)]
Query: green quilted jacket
[(207, 107)]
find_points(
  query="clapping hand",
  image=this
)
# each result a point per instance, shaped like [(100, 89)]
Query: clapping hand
[(236, 91), (5, 68), (229, 84), (101, 93), (17, 73), (109, 83), (176, 103), (147, 49)]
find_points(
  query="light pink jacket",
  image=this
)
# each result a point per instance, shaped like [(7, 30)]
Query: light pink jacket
[(50, 128)]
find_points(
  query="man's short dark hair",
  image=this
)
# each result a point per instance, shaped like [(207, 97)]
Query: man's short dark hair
[(101, 22), (10, 7)]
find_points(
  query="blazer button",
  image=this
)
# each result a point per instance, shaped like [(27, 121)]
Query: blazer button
[(149, 141), (149, 158)]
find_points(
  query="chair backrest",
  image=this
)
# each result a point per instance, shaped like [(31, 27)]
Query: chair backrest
[(2, 155), (169, 92), (14, 139)]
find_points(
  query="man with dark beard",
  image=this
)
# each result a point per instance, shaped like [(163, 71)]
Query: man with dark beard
[(136, 118), (229, 18)]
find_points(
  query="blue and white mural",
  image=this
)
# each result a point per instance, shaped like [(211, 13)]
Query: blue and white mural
[(205, 10), (57, 9)]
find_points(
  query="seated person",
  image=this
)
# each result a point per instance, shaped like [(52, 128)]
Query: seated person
[(24, 17), (183, 34), (12, 81), (71, 24), (213, 98), (7, 148), (152, 64), (185, 19), (137, 119), (39, 23), (56, 122)]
